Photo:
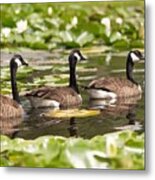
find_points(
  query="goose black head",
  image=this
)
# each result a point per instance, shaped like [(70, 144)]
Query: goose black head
[(18, 61), (136, 56), (75, 56)]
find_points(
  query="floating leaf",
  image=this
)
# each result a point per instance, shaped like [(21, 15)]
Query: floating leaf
[(71, 113)]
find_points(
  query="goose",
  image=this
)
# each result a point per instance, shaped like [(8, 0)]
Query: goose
[(57, 97), (116, 87), (11, 108)]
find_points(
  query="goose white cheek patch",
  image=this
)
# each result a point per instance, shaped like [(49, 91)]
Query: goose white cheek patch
[(134, 57), (18, 62), (77, 56)]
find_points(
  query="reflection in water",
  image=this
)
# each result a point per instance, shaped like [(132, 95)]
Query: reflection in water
[(73, 129), (115, 107), (133, 124), (131, 116), (9, 126), (122, 107), (116, 116)]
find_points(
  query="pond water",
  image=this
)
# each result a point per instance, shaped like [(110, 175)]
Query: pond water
[(53, 70)]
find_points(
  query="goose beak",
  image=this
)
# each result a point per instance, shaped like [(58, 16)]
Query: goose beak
[(142, 58), (25, 63), (83, 58)]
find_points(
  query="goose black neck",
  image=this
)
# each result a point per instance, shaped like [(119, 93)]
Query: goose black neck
[(129, 70), (72, 78), (13, 70)]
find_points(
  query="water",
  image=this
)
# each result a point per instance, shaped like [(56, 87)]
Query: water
[(126, 114)]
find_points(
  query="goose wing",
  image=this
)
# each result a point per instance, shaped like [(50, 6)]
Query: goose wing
[(9, 108), (119, 86), (66, 96)]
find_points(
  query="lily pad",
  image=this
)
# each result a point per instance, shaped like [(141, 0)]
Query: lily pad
[(71, 113), (119, 150)]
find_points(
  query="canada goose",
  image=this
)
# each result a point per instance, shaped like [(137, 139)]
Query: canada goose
[(11, 107), (59, 96), (113, 87)]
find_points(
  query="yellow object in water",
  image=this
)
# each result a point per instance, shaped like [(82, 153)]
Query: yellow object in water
[(71, 113)]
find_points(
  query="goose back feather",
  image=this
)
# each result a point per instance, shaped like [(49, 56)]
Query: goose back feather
[(119, 86), (9, 108), (54, 96)]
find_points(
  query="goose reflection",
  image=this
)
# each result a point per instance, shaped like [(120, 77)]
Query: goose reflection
[(73, 129), (122, 107), (9, 126), (117, 115)]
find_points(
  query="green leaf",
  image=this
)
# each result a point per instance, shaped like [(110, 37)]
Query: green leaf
[(111, 151), (84, 38), (121, 44)]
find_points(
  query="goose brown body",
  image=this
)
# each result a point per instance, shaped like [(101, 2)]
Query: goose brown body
[(65, 96), (120, 86), (9, 108), (10, 115)]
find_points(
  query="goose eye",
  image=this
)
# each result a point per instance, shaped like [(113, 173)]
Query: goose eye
[(18, 62)]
